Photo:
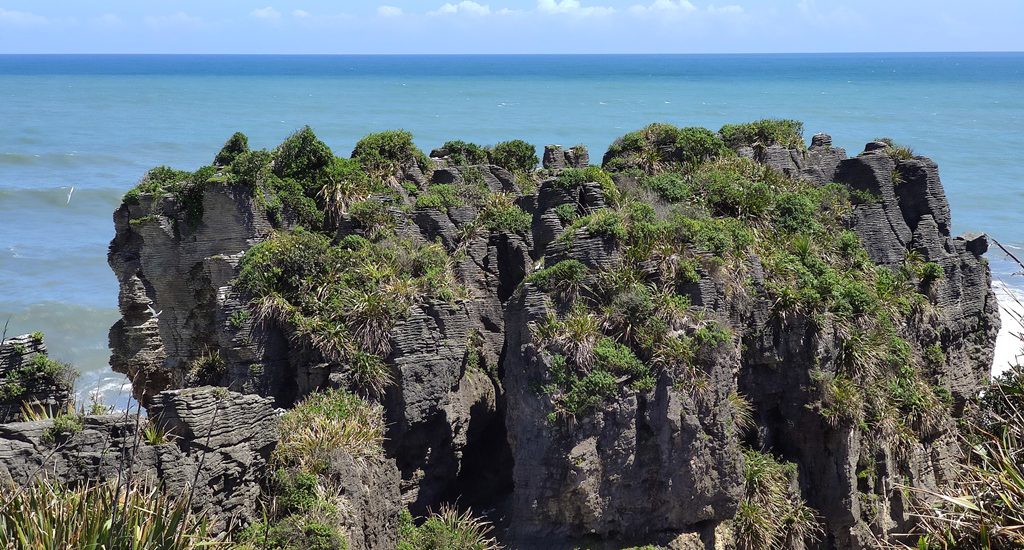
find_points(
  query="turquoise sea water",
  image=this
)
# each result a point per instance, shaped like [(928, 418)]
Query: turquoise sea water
[(97, 123)]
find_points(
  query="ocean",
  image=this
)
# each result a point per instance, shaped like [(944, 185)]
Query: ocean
[(97, 123)]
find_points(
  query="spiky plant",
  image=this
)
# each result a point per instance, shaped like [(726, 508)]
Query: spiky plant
[(98, 516), (577, 335), (448, 529), (325, 422)]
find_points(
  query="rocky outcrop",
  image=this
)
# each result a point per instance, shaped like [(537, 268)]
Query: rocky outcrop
[(663, 460), (846, 472), (467, 419), (216, 450), (28, 377), (910, 216), (558, 158), (177, 306)]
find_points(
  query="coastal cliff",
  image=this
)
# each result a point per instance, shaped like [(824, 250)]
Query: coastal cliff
[(714, 340)]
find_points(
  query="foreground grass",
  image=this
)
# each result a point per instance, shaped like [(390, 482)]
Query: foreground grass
[(99, 517)]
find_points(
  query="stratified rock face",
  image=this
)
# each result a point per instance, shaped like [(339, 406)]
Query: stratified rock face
[(557, 158), (658, 460), (466, 411), (844, 471), (176, 301), (218, 450), (179, 308), (29, 378), (912, 215)]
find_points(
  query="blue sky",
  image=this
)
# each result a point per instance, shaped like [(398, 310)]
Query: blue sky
[(508, 26)]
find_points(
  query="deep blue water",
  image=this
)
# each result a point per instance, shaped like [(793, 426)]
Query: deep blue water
[(97, 123)]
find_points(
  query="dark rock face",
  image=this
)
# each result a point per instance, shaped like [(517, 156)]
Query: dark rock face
[(660, 460), (218, 450), (465, 417), (912, 216), (48, 390), (176, 301), (557, 158)]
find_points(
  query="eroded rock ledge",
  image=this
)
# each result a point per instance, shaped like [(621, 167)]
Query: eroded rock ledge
[(595, 356)]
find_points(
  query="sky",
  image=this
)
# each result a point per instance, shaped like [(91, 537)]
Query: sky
[(508, 26)]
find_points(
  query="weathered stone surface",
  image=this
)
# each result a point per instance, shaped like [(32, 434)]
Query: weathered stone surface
[(465, 417), (175, 297), (558, 158), (370, 499), (658, 460), (218, 450), (52, 393)]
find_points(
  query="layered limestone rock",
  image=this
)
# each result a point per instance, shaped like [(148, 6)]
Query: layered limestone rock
[(466, 412), (29, 378), (216, 450)]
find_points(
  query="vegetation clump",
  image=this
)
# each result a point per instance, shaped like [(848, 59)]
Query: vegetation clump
[(574, 177), (515, 156), (384, 153), (105, 515), (236, 145), (326, 422), (342, 300), (772, 515), (764, 133), (448, 529), (463, 153), (663, 147), (717, 211), (40, 371)]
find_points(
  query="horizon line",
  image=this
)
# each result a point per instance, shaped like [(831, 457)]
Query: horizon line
[(450, 54)]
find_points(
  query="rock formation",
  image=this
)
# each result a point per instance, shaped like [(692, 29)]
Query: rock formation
[(598, 356)]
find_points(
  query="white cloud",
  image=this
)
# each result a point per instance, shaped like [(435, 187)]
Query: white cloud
[(108, 20), (572, 7), (300, 14), (21, 18), (466, 6), (268, 13), (728, 9), (671, 6), (389, 11), (175, 20)]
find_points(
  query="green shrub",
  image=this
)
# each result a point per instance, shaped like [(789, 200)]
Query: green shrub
[(796, 212), (108, 515), (670, 186), (447, 530), (500, 213), (567, 212), (931, 271), (373, 216), (515, 156), (589, 391), (462, 153), (325, 422), (64, 426), (565, 278), (383, 153), (237, 144), (440, 196), (765, 132), (771, 514), (605, 222), (659, 147), (617, 359), (302, 155)]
